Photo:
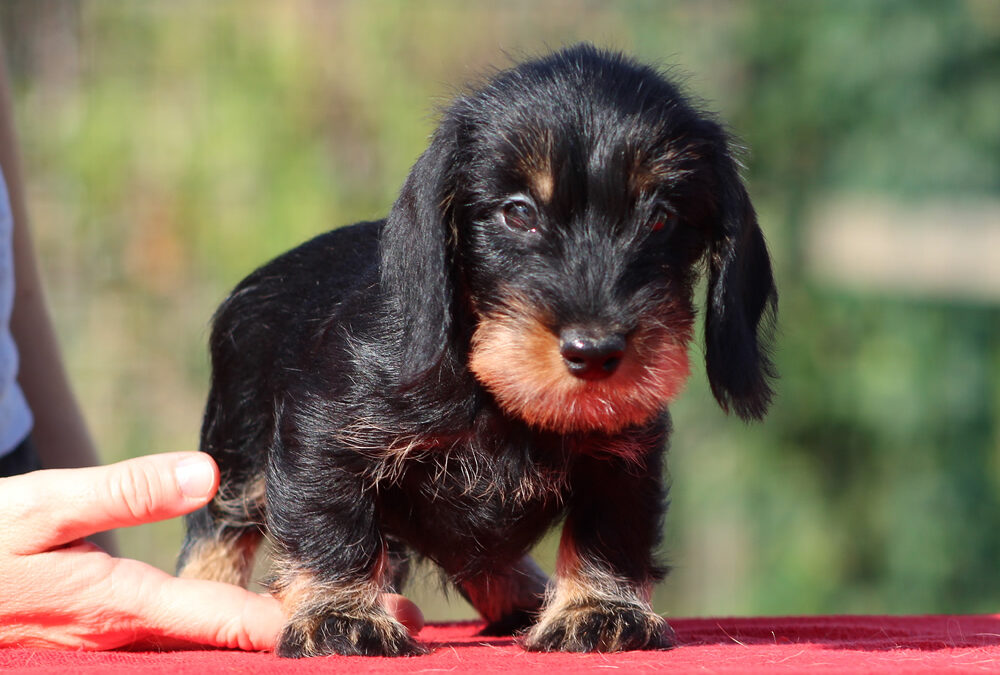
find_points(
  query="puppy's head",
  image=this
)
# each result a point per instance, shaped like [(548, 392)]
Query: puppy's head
[(561, 214)]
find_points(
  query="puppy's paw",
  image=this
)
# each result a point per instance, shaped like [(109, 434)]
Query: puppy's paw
[(600, 628), (332, 633)]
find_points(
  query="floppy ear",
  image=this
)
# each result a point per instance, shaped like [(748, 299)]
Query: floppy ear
[(742, 302), (416, 256)]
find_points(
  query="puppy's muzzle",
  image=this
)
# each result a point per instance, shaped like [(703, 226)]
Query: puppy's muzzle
[(591, 354)]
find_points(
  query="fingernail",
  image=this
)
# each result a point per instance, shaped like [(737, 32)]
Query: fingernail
[(195, 477)]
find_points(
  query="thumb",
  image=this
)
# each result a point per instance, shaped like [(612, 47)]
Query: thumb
[(195, 611), (54, 507)]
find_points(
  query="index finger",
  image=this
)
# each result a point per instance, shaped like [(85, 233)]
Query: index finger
[(49, 508)]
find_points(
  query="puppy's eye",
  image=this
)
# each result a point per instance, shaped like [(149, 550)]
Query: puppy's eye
[(661, 220), (520, 214)]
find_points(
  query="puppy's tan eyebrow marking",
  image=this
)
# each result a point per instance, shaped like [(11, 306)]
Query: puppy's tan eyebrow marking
[(534, 151), (648, 173), (536, 168), (641, 180), (542, 184)]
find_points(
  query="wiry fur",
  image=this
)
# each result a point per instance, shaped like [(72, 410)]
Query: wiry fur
[(419, 385), (325, 616), (515, 355)]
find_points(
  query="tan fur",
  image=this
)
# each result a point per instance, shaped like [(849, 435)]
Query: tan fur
[(298, 588), (516, 356), (229, 560), (308, 601), (579, 581), (647, 174), (582, 590), (302, 590), (534, 155), (299, 594), (543, 184), (240, 506)]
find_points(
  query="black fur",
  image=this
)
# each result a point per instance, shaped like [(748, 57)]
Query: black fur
[(578, 191)]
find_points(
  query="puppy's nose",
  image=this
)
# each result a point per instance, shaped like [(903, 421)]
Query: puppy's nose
[(591, 355)]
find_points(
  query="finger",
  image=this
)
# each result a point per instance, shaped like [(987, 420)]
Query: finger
[(405, 611), (191, 611), (50, 508), (227, 616), (203, 612)]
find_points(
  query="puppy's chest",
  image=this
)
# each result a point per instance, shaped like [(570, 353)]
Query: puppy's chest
[(472, 499)]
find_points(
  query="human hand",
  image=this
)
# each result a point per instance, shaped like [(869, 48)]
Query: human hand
[(57, 590)]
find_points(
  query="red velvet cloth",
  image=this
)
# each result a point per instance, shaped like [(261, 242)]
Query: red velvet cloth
[(855, 644)]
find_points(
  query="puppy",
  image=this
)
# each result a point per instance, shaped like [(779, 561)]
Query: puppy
[(497, 355)]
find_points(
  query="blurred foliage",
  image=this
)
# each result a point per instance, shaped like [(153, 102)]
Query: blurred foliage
[(172, 147)]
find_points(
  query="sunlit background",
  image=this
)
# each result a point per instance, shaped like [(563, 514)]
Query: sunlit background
[(171, 147)]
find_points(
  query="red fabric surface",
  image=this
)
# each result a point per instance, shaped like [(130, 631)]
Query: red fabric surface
[(856, 644)]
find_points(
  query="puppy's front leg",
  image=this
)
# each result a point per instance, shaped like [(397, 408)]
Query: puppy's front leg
[(605, 568), (332, 563)]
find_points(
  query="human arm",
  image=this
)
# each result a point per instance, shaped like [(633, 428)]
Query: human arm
[(60, 434)]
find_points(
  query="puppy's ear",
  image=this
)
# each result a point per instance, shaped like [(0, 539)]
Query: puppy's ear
[(742, 301), (417, 255)]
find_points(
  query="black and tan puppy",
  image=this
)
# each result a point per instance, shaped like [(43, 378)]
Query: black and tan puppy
[(497, 355)]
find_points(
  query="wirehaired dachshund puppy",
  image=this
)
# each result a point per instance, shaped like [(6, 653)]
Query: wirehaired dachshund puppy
[(495, 356)]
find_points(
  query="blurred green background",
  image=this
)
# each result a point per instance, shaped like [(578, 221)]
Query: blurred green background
[(171, 147)]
